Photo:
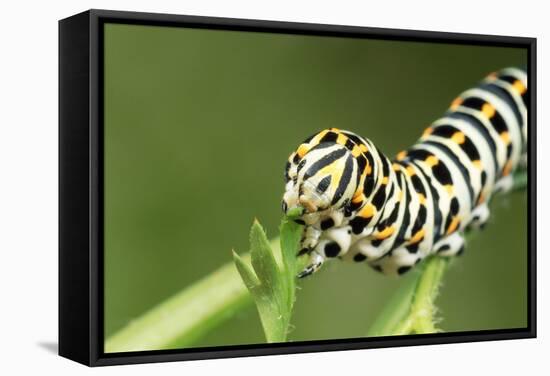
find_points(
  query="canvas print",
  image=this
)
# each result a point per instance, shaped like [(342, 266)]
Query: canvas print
[(265, 187)]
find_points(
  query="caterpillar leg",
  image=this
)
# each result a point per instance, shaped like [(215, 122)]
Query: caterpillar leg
[(505, 184), (400, 261), (452, 245), (334, 242), (316, 261), (309, 240), (480, 216), (312, 233), (363, 249)]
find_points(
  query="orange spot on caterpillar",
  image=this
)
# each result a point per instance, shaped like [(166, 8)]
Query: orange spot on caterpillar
[(428, 131), (417, 237), (456, 103), (315, 140), (385, 233), (341, 139), (358, 200), (302, 150), (491, 76), (396, 166), (477, 164), (453, 226), (449, 188), (384, 180), (481, 199), (358, 196), (356, 151), (401, 155), (369, 170), (367, 211), (458, 137), (410, 171), (431, 160), (422, 198), (505, 136), (507, 168), (488, 110), (519, 87), (363, 148)]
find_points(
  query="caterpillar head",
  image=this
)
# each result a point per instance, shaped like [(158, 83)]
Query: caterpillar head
[(320, 177)]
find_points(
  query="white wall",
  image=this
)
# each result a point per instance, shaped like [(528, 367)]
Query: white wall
[(28, 184)]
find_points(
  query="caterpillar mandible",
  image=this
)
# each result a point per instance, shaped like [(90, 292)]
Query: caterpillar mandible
[(359, 205)]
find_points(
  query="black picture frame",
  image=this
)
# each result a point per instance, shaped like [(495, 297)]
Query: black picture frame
[(81, 182)]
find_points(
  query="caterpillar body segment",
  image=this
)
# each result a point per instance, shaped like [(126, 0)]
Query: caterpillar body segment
[(362, 206)]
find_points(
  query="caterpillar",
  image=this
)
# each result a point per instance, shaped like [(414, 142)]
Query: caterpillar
[(359, 205)]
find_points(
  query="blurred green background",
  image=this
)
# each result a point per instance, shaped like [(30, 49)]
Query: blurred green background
[(198, 126)]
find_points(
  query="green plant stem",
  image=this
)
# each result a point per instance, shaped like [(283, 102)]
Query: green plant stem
[(423, 307), (394, 316), (411, 308), (520, 180)]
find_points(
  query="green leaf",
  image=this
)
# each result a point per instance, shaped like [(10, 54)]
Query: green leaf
[(291, 233), (246, 272), (272, 286), (265, 266)]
